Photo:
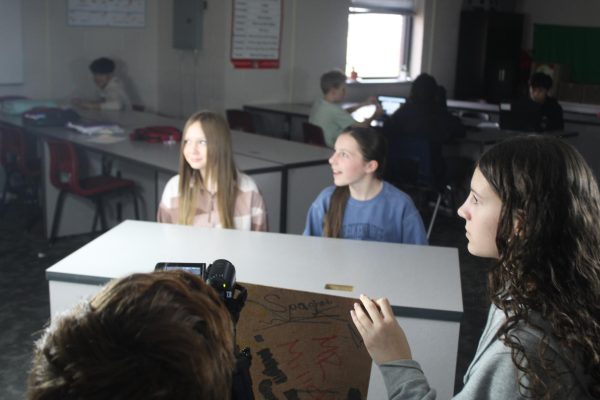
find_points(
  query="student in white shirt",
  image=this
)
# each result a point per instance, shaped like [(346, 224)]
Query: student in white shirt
[(111, 92)]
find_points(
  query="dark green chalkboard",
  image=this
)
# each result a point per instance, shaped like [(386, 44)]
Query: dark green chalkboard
[(575, 46)]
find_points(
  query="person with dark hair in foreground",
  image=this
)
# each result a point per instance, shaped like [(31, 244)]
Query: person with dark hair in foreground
[(164, 335), (534, 207)]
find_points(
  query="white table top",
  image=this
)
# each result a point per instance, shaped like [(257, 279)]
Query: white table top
[(161, 156), (473, 105), (261, 147), (282, 151), (420, 281), (303, 110)]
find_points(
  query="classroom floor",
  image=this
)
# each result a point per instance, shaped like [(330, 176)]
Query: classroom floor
[(24, 303)]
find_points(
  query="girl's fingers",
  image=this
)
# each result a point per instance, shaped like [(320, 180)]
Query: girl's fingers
[(386, 308), (371, 308), (357, 323), (363, 323)]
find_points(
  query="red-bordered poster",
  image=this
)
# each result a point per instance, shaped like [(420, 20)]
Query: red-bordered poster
[(256, 33)]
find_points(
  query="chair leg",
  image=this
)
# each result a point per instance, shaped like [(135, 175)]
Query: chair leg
[(434, 215), (135, 205), (96, 215), (100, 210), (7, 186), (57, 215)]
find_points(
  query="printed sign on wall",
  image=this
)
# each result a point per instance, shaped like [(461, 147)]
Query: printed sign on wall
[(256, 33), (117, 13)]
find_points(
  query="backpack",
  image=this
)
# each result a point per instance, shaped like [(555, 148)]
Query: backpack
[(156, 134)]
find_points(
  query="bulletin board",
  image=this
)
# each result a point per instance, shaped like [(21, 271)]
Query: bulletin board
[(114, 13), (304, 345), (256, 33)]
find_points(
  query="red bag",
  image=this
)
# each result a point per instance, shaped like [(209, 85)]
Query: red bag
[(156, 134)]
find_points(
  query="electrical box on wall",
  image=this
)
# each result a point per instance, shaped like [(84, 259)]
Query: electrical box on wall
[(188, 23)]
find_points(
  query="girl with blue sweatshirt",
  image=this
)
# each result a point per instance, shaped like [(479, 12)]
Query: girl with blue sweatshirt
[(361, 205)]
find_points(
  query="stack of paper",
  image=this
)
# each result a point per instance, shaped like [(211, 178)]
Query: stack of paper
[(94, 128)]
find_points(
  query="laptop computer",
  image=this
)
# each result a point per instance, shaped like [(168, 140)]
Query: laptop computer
[(390, 103), (520, 116)]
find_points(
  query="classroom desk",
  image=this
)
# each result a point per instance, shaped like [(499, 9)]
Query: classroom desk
[(150, 165), (303, 169), (421, 282), (290, 175)]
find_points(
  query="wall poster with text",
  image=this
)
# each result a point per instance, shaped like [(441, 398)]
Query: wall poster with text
[(256, 33)]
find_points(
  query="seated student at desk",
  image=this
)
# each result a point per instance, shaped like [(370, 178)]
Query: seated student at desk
[(539, 112), (533, 208), (111, 92), (209, 191), (361, 205), (424, 116), (164, 335), (328, 114)]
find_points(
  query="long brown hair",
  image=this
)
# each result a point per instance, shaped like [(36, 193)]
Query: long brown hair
[(164, 335), (372, 146), (220, 169), (549, 262)]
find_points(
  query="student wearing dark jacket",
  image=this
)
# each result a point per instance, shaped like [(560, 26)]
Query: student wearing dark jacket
[(551, 113), (423, 120)]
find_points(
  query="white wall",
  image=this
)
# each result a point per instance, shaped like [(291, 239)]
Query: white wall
[(179, 82), (441, 45), (187, 80), (320, 30), (11, 44), (56, 55)]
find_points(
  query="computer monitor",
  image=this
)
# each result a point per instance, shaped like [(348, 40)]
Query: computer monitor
[(390, 103), (520, 116)]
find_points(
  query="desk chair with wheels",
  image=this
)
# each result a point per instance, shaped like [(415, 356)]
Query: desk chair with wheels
[(416, 166), (21, 166), (64, 175), (313, 134), (240, 120)]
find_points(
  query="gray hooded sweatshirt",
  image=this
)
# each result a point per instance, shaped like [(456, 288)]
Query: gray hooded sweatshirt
[(492, 374)]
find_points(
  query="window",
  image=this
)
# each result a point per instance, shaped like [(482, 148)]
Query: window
[(378, 44)]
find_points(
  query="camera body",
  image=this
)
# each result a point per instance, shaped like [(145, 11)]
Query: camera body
[(220, 275)]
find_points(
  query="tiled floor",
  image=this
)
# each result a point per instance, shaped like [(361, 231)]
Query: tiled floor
[(24, 292)]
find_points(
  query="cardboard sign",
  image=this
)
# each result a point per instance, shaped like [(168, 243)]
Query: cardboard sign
[(304, 345)]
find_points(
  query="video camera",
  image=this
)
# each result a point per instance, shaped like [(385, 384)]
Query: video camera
[(220, 275)]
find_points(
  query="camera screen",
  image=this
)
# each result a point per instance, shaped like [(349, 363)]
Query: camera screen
[(193, 268)]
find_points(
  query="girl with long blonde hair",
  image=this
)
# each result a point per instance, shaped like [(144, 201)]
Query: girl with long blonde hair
[(209, 190)]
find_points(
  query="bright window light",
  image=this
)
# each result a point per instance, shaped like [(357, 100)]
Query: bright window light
[(376, 45)]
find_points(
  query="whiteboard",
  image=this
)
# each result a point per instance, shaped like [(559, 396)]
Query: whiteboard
[(11, 42), (118, 13)]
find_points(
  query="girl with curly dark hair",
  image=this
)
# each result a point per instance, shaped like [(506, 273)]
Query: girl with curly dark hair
[(534, 206)]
